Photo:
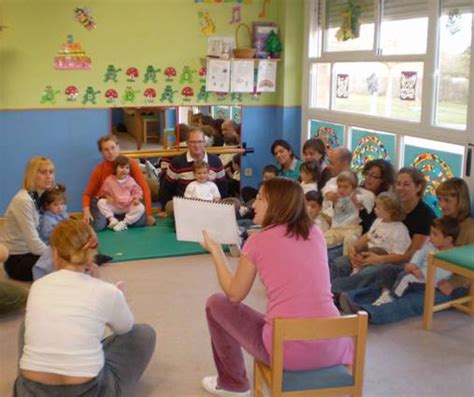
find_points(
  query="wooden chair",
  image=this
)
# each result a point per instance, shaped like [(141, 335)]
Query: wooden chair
[(458, 261), (333, 381)]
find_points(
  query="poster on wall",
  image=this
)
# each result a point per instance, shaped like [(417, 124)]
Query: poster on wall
[(408, 86), (342, 86), (218, 75), (266, 76), (242, 75), (220, 46)]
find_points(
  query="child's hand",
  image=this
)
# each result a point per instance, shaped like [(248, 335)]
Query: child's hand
[(372, 259), (135, 201), (209, 244), (355, 200), (332, 196), (110, 200), (121, 286), (409, 267), (445, 287)]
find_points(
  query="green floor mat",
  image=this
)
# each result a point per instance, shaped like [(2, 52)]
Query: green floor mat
[(157, 241)]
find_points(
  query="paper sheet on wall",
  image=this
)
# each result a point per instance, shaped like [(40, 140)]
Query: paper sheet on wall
[(242, 76), (194, 216), (218, 75), (266, 76)]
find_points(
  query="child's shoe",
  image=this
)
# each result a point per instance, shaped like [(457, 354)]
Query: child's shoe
[(120, 226), (209, 383), (112, 223), (385, 297)]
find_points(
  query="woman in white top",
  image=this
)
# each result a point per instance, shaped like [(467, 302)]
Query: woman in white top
[(66, 315), (20, 234)]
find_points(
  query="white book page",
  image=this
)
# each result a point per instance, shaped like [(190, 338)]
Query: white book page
[(194, 216)]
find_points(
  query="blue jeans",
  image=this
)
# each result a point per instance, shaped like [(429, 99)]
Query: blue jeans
[(100, 221), (334, 253), (409, 305)]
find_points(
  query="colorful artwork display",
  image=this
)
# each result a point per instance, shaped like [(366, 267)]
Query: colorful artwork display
[(71, 56), (331, 134), (342, 86), (408, 86), (369, 146)]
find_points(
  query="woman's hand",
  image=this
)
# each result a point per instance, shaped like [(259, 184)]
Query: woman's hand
[(372, 259), (209, 244), (150, 220), (355, 258)]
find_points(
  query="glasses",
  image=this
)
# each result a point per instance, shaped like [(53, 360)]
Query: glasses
[(195, 142), (373, 176)]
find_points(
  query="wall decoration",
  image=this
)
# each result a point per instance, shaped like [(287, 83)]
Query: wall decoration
[(262, 13), (273, 45), (260, 33), (350, 25), (111, 96), (132, 74), (187, 93), (203, 95), (255, 95), (170, 73), (408, 86), (342, 86), (202, 75), (150, 74), (49, 95), (218, 46), (331, 134), (242, 76), (71, 56), (83, 16), (129, 95), (149, 95), (208, 26), (436, 171), (186, 75), (71, 93), (235, 15), (168, 94), (218, 75), (111, 73), (90, 96), (221, 96), (236, 97), (369, 147), (373, 84), (266, 76), (454, 22)]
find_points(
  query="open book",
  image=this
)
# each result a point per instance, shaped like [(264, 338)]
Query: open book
[(194, 216)]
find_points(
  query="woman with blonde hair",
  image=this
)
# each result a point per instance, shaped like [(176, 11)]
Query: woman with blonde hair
[(20, 234), (290, 257), (66, 315)]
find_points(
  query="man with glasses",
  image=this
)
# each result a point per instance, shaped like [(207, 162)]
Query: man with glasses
[(180, 171)]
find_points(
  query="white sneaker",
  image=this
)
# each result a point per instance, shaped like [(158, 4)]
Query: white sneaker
[(209, 383), (112, 223), (385, 297), (120, 227)]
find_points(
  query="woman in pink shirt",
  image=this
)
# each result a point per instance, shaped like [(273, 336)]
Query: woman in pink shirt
[(290, 257)]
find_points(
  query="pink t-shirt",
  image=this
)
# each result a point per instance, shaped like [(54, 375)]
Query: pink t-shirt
[(123, 192), (295, 274)]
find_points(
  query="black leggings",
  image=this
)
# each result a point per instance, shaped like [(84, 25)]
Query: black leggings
[(19, 267)]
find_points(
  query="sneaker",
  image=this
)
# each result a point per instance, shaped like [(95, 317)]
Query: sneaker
[(112, 223), (209, 383), (120, 226), (385, 297), (346, 305)]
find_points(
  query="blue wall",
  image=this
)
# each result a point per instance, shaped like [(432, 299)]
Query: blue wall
[(69, 138)]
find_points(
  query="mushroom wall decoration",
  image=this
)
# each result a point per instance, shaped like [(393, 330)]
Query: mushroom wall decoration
[(132, 74), (170, 73)]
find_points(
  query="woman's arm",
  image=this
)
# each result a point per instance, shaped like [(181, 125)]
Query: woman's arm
[(236, 286)]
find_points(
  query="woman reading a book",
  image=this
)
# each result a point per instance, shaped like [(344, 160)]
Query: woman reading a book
[(290, 257)]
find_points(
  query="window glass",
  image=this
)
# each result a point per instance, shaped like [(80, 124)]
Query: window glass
[(320, 85), (349, 25), (385, 89), (454, 60)]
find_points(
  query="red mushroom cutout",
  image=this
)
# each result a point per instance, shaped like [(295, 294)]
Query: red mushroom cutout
[(202, 74), (187, 93), (149, 94), (71, 93), (170, 73), (111, 95), (132, 74)]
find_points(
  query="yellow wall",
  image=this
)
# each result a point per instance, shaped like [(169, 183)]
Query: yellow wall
[(130, 33)]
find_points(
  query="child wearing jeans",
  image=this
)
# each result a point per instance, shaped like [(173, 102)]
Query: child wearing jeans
[(120, 194), (345, 226), (53, 210), (395, 282), (202, 188), (314, 203), (309, 174)]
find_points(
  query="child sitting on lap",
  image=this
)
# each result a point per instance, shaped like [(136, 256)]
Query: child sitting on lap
[(345, 226), (202, 188), (309, 174), (121, 195), (314, 203), (53, 211), (444, 232)]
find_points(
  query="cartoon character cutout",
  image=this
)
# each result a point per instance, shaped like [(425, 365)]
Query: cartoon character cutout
[(83, 16), (186, 75), (49, 95), (129, 95), (111, 73), (168, 94), (71, 93), (150, 74), (90, 96), (203, 95)]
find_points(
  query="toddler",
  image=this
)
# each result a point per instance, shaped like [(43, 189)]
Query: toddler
[(120, 194), (202, 188), (53, 211), (388, 234), (345, 222), (444, 232), (314, 203), (309, 174), (269, 172)]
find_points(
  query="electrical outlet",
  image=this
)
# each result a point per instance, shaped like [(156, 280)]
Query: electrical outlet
[(248, 172)]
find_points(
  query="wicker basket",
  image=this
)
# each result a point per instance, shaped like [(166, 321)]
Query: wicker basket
[(243, 52)]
